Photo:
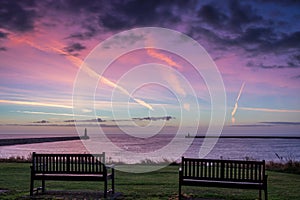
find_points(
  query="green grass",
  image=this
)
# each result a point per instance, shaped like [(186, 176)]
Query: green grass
[(162, 184)]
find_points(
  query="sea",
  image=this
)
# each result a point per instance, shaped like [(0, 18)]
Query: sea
[(166, 147)]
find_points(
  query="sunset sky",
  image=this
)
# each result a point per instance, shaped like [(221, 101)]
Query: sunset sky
[(254, 44)]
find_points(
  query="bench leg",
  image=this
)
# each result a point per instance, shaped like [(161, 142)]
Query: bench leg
[(259, 194), (266, 195), (31, 186), (43, 186), (113, 184), (105, 188), (179, 192)]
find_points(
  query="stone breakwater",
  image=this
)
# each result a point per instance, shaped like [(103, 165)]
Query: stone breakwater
[(17, 141)]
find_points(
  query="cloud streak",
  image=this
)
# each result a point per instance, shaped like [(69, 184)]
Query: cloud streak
[(31, 103), (269, 110), (51, 113), (236, 103), (79, 63)]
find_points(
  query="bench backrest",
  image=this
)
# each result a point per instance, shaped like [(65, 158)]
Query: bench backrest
[(223, 170), (68, 163)]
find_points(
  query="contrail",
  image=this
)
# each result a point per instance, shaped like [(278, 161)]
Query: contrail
[(78, 62), (236, 103), (163, 57), (171, 78)]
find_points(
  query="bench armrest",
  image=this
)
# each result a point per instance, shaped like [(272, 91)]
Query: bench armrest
[(112, 166)]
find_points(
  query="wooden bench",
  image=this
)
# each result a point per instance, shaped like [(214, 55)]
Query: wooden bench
[(223, 173), (71, 167)]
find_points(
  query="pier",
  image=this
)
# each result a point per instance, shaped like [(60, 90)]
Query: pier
[(17, 141), (244, 137)]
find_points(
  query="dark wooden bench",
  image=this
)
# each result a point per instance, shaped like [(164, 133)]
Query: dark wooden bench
[(223, 173), (71, 167)]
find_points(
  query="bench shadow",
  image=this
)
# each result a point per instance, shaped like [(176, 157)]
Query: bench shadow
[(187, 197), (69, 195)]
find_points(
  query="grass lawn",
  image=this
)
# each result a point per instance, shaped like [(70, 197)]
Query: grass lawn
[(162, 184)]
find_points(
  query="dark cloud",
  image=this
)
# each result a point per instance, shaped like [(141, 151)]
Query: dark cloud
[(97, 17), (296, 77), (280, 2), (238, 17), (84, 35), (288, 41), (17, 15), (233, 16), (211, 15), (136, 13), (74, 47), (225, 26), (238, 25), (3, 35), (117, 14), (264, 66), (297, 57), (85, 120), (241, 15), (114, 22), (263, 40), (41, 122), (231, 25), (79, 13), (167, 118), (204, 35), (77, 6), (256, 35)]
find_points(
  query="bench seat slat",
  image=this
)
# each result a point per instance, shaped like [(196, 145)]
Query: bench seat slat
[(221, 179), (212, 183), (75, 177)]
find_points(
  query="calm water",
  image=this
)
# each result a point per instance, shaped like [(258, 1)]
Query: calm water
[(133, 150)]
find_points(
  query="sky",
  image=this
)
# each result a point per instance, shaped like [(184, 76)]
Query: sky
[(255, 46)]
